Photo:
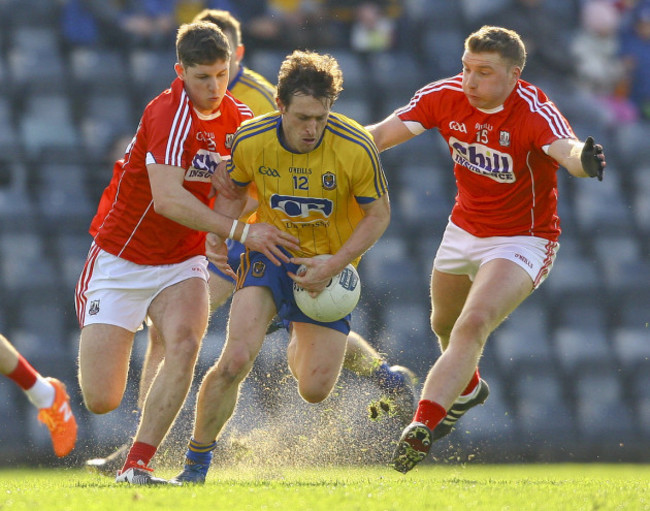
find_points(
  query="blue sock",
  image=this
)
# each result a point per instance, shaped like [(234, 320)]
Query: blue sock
[(388, 380), (199, 454)]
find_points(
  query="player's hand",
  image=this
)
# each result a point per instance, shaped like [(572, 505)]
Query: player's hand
[(592, 158), (222, 183), (217, 253), (314, 277), (268, 239)]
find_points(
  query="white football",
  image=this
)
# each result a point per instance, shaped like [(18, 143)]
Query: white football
[(336, 301)]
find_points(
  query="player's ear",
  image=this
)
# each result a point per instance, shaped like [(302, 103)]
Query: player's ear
[(240, 51), (180, 70)]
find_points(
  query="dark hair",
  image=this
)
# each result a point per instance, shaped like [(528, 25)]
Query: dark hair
[(311, 74), (201, 43), (224, 20), (503, 41)]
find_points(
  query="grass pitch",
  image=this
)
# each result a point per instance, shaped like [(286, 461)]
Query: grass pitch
[(436, 487)]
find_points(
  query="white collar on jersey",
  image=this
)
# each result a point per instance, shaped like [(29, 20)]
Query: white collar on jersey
[(491, 110), (208, 117)]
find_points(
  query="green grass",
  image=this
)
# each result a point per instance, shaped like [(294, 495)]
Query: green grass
[(449, 487)]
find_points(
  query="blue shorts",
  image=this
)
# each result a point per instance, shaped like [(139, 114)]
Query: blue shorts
[(257, 270), (235, 250)]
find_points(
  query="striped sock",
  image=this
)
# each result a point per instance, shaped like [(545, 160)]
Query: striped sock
[(198, 453)]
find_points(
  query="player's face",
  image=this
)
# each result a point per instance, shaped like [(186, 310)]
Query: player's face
[(303, 122), (205, 84), (487, 79)]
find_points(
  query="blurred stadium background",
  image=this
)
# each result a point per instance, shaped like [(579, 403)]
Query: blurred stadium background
[(569, 371)]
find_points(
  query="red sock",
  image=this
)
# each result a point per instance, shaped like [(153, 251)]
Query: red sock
[(472, 383), (139, 452), (24, 374), (429, 413)]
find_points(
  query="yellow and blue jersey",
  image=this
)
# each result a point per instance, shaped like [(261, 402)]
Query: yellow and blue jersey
[(253, 90), (315, 196)]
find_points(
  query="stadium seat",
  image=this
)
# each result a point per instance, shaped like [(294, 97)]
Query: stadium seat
[(630, 310), (406, 336), (540, 420), (47, 123), (444, 50), (354, 107), (24, 262), (643, 416), (152, 72), (385, 67), (632, 346), (105, 116), (62, 193), (601, 205), (71, 250), (35, 62), (580, 347), (521, 341), (474, 11), (98, 70), (572, 274)]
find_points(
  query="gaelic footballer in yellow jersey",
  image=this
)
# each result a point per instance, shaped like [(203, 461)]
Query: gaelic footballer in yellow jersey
[(315, 196), (254, 90)]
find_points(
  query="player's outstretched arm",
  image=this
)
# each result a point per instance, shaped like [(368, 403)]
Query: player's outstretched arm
[(581, 159)]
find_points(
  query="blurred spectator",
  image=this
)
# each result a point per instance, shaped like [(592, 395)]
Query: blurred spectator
[(372, 30), (186, 10), (549, 63), (290, 24), (546, 46), (122, 23), (635, 51), (599, 68)]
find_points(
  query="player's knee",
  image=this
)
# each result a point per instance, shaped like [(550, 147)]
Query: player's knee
[(315, 389), (101, 403), (441, 327), (474, 324), (313, 395), (183, 350), (234, 367)]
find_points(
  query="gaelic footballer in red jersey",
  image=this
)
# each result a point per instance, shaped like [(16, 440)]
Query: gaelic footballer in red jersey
[(507, 141), (147, 258)]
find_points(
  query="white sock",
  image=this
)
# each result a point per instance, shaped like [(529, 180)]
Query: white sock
[(41, 394)]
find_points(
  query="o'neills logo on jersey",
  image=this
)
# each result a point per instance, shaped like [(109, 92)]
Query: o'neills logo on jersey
[(483, 160), (203, 166), (299, 170)]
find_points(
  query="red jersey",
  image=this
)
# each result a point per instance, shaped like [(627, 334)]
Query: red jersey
[(170, 132), (507, 184)]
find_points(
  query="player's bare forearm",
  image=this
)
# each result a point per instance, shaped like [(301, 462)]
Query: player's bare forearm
[(173, 201), (581, 159)]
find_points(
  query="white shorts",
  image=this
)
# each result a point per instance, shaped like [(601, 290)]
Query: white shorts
[(461, 253), (115, 291)]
